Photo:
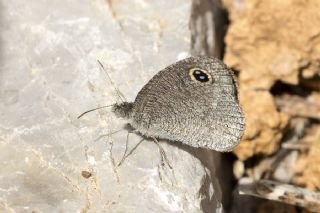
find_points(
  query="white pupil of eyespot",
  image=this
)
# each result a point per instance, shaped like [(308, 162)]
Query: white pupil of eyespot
[(200, 75)]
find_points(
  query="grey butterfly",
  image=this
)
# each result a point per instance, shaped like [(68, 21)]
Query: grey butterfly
[(193, 101)]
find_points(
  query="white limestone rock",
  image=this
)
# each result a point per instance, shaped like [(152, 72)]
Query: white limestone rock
[(53, 162)]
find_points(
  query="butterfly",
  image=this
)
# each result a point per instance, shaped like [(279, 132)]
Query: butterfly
[(193, 101)]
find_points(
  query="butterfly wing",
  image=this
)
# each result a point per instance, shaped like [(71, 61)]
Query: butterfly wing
[(178, 106)]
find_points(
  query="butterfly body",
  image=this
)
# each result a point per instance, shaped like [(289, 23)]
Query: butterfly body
[(193, 101)]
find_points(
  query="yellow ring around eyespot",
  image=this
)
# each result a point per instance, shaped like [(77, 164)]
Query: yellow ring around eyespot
[(205, 71)]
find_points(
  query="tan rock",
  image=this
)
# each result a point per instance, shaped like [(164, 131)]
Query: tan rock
[(273, 40), (269, 41), (307, 168), (264, 124)]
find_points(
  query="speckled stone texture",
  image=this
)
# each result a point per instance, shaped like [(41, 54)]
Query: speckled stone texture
[(53, 162), (270, 41), (275, 48)]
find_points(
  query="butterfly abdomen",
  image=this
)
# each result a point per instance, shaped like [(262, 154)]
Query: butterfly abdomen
[(123, 110)]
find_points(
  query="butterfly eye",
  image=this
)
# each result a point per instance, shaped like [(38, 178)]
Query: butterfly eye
[(200, 75)]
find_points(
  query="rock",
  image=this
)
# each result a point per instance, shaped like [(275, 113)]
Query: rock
[(53, 162), (264, 124), (266, 43), (274, 48), (295, 105), (285, 170), (307, 168), (208, 26), (271, 41), (276, 207)]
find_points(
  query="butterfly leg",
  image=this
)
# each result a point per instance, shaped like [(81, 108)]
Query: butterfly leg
[(126, 154), (163, 155), (107, 135)]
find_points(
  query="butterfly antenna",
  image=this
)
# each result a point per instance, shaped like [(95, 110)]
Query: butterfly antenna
[(114, 86), (93, 110)]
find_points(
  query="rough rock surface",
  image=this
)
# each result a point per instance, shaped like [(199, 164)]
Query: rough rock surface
[(52, 162), (264, 124), (208, 26), (269, 41), (274, 47), (307, 168), (273, 40)]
